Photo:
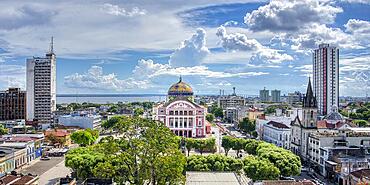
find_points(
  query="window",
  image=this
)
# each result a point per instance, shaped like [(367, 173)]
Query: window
[(180, 112), (190, 113), (200, 123), (171, 112), (176, 113), (185, 113)]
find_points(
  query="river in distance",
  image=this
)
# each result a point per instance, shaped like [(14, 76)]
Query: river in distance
[(109, 98)]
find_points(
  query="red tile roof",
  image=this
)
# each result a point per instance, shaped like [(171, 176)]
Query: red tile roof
[(277, 124), (57, 133), (361, 173)]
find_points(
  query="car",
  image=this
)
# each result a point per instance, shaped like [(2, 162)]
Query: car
[(287, 178), (304, 170), (45, 158)]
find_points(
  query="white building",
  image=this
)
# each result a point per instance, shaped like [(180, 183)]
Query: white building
[(231, 101), (326, 77), (81, 120), (277, 133), (41, 88)]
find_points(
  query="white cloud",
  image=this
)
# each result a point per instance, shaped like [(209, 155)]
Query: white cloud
[(191, 52), (12, 75), (290, 15), (240, 42), (357, 1), (143, 75), (306, 70), (357, 26), (119, 11), (96, 79), (148, 69), (311, 37)]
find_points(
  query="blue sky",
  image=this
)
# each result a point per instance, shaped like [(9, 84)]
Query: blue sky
[(136, 46)]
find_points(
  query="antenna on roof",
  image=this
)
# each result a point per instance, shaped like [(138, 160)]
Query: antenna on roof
[(180, 79), (52, 45)]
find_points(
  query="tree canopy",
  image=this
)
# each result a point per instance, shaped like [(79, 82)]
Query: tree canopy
[(210, 117), (85, 137), (147, 153)]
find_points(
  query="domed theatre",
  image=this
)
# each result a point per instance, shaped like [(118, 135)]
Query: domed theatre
[(181, 114)]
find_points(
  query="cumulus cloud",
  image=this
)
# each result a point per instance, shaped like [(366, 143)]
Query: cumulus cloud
[(119, 11), (148, 69), (191, 52), (290, 15), (306, 39), (96, 79), (27, 15), (12, 75), (143, 75), (240, 42)]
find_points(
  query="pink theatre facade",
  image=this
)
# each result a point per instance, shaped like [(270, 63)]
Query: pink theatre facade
[(183, 117)]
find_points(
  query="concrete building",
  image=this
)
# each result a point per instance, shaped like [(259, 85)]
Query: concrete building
[(360, 176), (326, 77), (294, 98), (230, 101), (264, 95), (81, 120), (275, 95), (302, 126), (12, 104), (41, 88), (6, 160), (277, 134), (180, 113)]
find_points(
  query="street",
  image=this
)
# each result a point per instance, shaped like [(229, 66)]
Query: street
[(49, 171)]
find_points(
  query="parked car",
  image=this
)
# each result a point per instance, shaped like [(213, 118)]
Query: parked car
[(45, 158)]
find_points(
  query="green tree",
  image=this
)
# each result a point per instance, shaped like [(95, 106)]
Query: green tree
[(361, 123), (148, 152), (238, 145), (3, 130), (210, 117), (190, 144), (260, 169), (85, 137), (138, 112), (247, 125), (251, 146), (287, 163), (227, 143), (218, 112)]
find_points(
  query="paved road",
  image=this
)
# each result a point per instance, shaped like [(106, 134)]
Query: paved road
[(53, 175), (41, 167)]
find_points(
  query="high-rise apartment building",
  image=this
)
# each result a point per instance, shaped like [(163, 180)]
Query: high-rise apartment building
[(264, 95), (326, 77), (12, 104), (275, 95), (41, 88)]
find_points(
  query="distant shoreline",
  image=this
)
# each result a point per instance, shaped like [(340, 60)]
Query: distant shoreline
[(109, 95)]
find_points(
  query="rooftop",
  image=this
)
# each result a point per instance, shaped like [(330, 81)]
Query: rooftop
[(364, 173), (211, 178), (277, 125)]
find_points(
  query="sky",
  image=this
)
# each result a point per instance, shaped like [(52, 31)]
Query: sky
[(143, 46)]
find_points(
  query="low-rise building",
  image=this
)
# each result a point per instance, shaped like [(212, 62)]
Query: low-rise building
[(58, 137), (360, 177), (180, 113), (15, 179), (277, 133), (6, 160), (84, 121)]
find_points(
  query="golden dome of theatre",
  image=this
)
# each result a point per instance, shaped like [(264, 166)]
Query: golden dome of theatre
[(180, 89)]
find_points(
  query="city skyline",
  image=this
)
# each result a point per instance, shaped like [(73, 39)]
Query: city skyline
[(117, 47)]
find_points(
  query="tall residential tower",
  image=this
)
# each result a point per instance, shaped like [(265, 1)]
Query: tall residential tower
[(41, 88), (326, 77)]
